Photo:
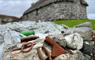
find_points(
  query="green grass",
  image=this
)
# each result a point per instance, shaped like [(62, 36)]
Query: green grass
[(72, 23)]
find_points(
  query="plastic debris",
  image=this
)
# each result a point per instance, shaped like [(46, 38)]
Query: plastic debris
[(27, 33)]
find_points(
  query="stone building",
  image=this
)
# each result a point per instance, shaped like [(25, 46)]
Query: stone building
[(56, 9), (5, 18)]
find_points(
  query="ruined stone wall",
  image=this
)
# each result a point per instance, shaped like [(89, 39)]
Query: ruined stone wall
[(59, 10), (6, 20)]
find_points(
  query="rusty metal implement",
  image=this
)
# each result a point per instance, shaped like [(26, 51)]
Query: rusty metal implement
[(57, 49)]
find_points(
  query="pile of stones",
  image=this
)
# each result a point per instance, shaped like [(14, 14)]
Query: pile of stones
[(77, 41)]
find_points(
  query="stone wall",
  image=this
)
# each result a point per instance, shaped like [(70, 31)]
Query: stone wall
[(5, 20), (59, 10)]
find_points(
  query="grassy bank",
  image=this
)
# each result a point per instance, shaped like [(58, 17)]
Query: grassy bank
[(72, 23)]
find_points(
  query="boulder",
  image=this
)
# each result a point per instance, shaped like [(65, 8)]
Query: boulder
[(87, 47), (86, 24), (74, 41), (85, 32), (8, 38), (76, 55)]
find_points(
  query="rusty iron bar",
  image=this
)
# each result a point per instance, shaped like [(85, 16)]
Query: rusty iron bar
[(57, 49)]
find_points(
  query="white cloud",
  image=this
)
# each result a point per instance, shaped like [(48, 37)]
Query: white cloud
[(91, 16), (14, 7), (91, 9)]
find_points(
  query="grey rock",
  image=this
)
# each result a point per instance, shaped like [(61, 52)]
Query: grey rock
[(40, 27), (76, 55), (21, 26), (74, 41), (75, 38), (86, 24), (62, 42), (58, 10), (1, 39), (85, 32), (87, 57), (11, 38), (8, 37), (88, 47)]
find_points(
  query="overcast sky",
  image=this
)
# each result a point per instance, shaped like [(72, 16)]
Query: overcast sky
[(17, 7)]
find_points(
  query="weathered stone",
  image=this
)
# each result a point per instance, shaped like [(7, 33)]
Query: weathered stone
[(76, 55), (88, 47), (62, 42), (40, 27), (61, 9), (6, 18), (87, 57), (86, 24), (74, 41), (21, 26), (8, 38), (85, 32)]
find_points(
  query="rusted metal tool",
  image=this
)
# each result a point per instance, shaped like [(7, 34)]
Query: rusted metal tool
[(40, 54), (47, 52), (30, 38), (26, 47), (56, 48)]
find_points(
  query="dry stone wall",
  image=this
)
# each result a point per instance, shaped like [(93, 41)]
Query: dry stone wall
[(59, 10)]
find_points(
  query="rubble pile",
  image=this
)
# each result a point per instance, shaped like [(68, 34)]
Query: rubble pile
[(40, 27), (29, 40)]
